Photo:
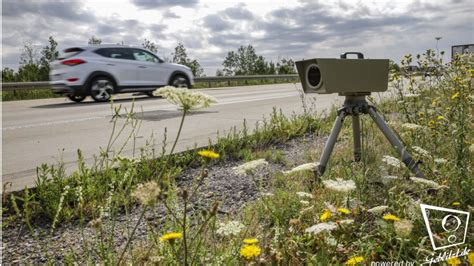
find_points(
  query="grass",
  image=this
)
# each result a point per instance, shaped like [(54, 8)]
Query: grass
[(376, 217), (47, 93), (28, 94)]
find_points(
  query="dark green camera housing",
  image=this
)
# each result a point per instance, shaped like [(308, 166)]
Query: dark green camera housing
[(343, 76)]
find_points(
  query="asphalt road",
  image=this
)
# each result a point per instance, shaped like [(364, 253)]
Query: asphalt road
[(52, 130)]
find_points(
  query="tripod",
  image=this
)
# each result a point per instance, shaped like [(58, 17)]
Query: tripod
[(354, 105)]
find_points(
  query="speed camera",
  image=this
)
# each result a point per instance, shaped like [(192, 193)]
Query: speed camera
[(343, 76)]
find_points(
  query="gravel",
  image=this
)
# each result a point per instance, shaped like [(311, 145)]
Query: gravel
[(20, 246)]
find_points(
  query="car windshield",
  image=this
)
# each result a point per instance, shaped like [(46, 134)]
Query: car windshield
[(161, 58)]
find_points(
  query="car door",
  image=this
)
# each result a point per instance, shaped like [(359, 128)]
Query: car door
[(121, 64), (150, 69)]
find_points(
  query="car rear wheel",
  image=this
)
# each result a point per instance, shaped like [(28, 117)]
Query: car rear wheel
[(102, 89), (180, 81), (76, 98)]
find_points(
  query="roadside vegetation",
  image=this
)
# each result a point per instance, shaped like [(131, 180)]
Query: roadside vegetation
[(355, 214)]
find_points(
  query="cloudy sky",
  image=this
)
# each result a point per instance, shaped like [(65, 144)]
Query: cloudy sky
[(209, 29)]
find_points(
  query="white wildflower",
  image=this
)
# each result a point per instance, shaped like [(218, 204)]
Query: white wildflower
[(267, 194), (340, 185), (60, 207), (413, 209), (305, 210), (421, 152), (411, 95), (230, 228), (389, 178), (304, 194), (393, 124), (411, 126), (304, 202), (471, 148), (243, 169), (392, 161), (303, 167), (321, 227), (440, 160), (378, 209), (346, 221), (426, 182), (147, 193), (80, 195), (403, 228), (156, 259), (185, 98)]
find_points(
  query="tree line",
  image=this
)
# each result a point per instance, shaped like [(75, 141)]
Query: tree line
[(35, 63)]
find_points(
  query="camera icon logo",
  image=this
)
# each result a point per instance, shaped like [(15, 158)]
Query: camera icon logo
[(446, 227)]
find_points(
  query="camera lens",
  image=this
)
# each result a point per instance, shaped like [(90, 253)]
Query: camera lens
[(314, 75)]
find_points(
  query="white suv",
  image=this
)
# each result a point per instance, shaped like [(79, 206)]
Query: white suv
[(102, 70)]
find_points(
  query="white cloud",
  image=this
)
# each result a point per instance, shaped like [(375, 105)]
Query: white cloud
[(209, 29)]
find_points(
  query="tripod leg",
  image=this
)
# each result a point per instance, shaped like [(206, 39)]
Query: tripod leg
[(336, 128), (392, 138), (356, 133)]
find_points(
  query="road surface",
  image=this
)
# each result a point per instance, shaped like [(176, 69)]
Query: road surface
[(50, 130)]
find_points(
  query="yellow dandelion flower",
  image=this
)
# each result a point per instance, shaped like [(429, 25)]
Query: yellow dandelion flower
[(209, 154), (171, 236), (354, 260), (440, 117), (390, 217), (431, 123), (453, 261), (470, 258), (250, 251), (343, 210), (326, 215), (455, 96), (250, 241), (456, 203)]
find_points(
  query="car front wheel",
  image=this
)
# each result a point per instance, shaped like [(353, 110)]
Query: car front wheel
[(180, 81), (76, 98), (102, 89)]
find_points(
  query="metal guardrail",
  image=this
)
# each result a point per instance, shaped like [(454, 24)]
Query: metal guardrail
[(14, 86)]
